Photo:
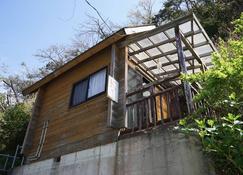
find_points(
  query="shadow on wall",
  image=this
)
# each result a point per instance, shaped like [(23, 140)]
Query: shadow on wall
[(157, 152)]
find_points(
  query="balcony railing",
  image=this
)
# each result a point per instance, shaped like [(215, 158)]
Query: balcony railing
[(150, 106), (202, 104)]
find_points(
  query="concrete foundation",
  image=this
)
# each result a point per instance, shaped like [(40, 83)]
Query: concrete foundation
[(159, 152)]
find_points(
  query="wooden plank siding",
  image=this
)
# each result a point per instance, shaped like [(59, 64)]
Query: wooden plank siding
[(73, 128)]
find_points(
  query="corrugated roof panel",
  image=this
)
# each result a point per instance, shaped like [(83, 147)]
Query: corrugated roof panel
[(170, 32), (150, 64), (187, 53), (157, 71), (206, 59), (153, 51), (145, 42), (169, 67), (162, 60), (203, 49), (167, 47), (158, 38), (198, 38), (195, 36), (185, 27), (173, 57), (134, 47), (141, 56)]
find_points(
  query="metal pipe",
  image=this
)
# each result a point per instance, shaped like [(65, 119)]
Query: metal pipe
[(15, 155), (6, 162)]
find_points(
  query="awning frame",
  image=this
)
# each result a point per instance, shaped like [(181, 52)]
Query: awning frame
[(195, 61), (171, 49)]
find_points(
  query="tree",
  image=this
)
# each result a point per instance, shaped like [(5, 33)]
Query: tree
[(53, 57), (3, 105), (13, 124), (93, 31), (143, 13), (13, 86), (215, 15)]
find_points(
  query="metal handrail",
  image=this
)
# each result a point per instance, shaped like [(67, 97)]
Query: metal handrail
[(10, 161)]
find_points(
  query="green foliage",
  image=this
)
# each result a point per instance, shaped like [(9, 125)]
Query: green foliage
[(13, 124), (239, 27), (222, 89), (222, 139), (223, 84)]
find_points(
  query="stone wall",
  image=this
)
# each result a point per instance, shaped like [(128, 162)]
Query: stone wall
[(156, 152)]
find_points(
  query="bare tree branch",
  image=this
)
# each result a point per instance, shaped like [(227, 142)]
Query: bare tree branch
[(99, 15), (9, 83), (143, 13)]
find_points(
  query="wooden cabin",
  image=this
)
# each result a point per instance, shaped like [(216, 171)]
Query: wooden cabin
[(126, 83)]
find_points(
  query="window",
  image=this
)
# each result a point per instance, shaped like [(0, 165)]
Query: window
[(97, 83), (89, 87), (79, 92)]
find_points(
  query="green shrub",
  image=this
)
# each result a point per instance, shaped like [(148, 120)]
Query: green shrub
[(13, 124), (222, 139), (222, 90)]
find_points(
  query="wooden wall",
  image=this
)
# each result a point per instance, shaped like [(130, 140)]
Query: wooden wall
[(73, 128)]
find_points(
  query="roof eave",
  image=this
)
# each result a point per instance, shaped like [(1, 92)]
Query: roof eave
[(83, 56)]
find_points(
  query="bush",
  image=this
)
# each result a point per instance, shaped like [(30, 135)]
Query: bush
[(13, 124), (221, 139), (222, 89)]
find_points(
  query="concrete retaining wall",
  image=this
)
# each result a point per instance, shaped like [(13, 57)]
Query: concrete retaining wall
[(157, 152)]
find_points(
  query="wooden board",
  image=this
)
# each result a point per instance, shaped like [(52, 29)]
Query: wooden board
[(71, 125)]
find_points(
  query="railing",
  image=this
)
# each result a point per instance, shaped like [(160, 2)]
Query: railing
[(200, 104), (151, 106), (8, 162)]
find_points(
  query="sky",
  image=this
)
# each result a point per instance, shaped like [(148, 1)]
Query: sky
[(29, 25)]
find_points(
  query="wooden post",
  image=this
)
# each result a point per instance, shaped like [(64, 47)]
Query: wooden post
[(112, 73), (118, 69), (183, 69), (125, 115)]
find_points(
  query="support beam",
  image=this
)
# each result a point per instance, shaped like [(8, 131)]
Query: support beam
[(193, 52), (160, 55), (183, 69), (204, 32), (142, 70), (177, 61), (178, 71), (155, 83), (147, 55), (170, 63), (135, 60)]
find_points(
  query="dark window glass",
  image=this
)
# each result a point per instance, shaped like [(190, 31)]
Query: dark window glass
[(93, 85), (79, 92)]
